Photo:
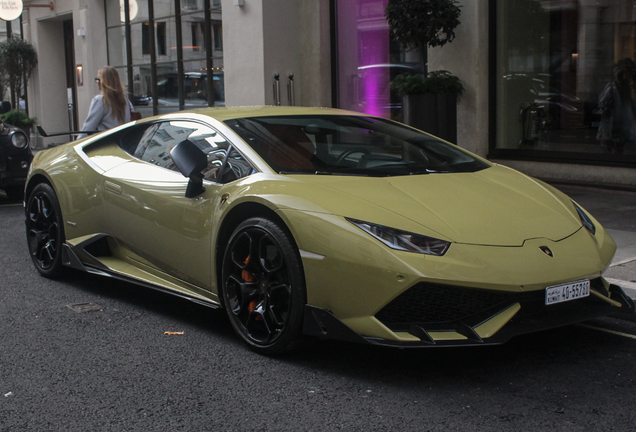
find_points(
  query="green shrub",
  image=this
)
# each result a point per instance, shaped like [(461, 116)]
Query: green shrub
[(19, 119), (436, 82)]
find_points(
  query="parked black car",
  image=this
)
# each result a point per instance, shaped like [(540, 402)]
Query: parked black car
[(15, 159)]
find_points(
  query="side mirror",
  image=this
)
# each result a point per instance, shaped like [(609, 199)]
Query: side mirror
[(191, 161)]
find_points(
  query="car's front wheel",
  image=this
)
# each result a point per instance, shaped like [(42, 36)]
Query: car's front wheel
[(263, 286), (45, 232)]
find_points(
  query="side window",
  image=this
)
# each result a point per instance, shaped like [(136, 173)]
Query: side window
[(136, 137), (157, 142), (144, 142), (236, 167)]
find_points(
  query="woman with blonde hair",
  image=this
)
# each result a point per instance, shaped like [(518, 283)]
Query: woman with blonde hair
[(111, 108)]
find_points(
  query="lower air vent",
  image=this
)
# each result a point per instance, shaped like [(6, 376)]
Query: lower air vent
[(437, 306), (99, 248)]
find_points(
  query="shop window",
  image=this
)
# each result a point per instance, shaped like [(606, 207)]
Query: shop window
[(160, 38), (554, 61), (188, 5), (116, 37), (197, 29), (218, 36), (195, 39), (368, 59), (145, 38), (164, 74), (163, 9)]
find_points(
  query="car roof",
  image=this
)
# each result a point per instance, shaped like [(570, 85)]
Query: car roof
[(230, 113)]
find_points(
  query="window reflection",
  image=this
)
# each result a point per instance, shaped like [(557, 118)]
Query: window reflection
[(116, 46), (192, 50), (554, 61), (160, 38), (158, 141), (369, 59), (193, 36), (163, 8)]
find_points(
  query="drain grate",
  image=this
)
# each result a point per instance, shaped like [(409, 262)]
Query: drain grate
[(85, 307)]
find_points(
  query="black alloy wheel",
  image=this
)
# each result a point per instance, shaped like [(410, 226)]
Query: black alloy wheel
[(45, 232), (263, 286)]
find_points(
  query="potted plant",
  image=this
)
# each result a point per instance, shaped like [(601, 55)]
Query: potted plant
[(429, 100)]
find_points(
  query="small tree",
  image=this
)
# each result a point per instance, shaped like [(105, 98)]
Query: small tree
[(17, 60), (2, 87), (418, 24)]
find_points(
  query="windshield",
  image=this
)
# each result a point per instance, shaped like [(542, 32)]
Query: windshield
[(349, 145)]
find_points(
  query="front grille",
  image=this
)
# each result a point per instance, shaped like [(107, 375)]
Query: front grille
[(435, 306)]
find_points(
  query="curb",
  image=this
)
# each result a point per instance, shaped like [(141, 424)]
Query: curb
[(630, 290), (628, 287)]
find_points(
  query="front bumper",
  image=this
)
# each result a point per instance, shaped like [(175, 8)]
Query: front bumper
[(490, 325)]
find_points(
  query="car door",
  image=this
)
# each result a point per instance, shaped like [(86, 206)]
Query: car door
[(148, 211)]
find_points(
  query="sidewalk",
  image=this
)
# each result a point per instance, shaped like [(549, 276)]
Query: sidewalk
[(616, 211), (622, 271)]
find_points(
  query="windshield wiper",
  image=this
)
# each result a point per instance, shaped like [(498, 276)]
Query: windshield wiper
[(340, 173), (426, 171), (333, 173)]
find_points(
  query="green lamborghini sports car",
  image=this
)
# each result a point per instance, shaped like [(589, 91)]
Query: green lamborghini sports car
[(320, 222)]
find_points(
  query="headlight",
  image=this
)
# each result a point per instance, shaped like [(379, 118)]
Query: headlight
[(403, 240), (585, 219), (19, 140)]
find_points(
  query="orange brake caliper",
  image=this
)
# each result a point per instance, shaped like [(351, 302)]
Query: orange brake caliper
[(248, 277)]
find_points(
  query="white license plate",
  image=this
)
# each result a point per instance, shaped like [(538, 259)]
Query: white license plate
[(567, 292)]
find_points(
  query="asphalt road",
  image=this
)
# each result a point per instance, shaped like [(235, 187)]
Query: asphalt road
[(115, 369)]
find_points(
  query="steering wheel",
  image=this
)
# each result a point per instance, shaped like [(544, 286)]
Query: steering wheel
[(346, 153)]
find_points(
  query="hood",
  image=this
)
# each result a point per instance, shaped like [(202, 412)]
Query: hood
[(496, 206)]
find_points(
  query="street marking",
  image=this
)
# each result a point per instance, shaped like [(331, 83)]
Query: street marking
[(608, 331), (10, 205)]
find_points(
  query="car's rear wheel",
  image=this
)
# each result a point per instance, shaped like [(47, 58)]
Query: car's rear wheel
[(45, 232), (263, 287)]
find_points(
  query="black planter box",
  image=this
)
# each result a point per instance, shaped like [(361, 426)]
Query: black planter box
[(432, 113)]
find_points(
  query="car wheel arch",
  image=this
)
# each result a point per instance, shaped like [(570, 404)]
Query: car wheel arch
[(232, 220), (34, 181)]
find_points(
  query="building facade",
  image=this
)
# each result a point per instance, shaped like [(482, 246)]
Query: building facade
[(534, 71)]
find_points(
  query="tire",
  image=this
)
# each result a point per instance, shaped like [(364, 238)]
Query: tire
[(15, 193), (263, 286), (45, 230)]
